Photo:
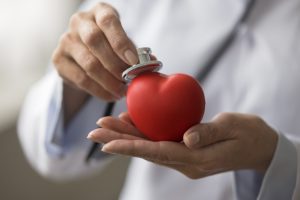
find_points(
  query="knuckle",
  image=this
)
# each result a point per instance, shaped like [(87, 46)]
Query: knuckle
[(58, 53), (106, 18), (254, 121), (74, 19), (77, 17), (225, 117), (256, 118), (65, 39), (91, 36), (260, 121)]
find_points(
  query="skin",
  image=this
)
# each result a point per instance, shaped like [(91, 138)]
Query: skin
[(91, 56), (230, 141)]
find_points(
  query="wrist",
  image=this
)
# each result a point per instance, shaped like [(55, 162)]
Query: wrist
[(268, 152)]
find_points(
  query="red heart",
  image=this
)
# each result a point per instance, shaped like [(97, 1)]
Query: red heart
[(164, 107)]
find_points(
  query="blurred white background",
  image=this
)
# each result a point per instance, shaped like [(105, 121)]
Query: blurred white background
[(29, 31)]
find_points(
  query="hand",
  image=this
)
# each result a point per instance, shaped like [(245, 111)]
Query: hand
[(231, 141), (94, 52)]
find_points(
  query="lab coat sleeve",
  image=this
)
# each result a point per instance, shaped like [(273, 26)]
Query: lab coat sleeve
[(279, 181), (296, 192), (56, 152)]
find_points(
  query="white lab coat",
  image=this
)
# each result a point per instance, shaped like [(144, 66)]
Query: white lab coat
[(259, 74)]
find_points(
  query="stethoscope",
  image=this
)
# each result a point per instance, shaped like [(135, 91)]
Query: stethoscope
[(146, 64)]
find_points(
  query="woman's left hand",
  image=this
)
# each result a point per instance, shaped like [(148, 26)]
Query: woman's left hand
[(231, 141)]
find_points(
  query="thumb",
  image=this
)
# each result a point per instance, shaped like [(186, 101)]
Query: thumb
[(203, 134)]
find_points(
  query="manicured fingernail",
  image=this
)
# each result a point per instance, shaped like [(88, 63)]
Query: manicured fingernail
[(192, 138), (105, 149), (90, 135), (99, 121), (130, 57)]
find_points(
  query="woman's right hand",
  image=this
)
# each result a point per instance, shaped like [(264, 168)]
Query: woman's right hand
[(94, 52)]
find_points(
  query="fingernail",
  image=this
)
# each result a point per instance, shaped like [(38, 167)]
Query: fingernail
[(99, 121), (90, 135), (105, 149), (192, 138), (130, 57)]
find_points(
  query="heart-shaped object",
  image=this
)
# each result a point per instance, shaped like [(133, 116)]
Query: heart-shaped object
[(164, 107)]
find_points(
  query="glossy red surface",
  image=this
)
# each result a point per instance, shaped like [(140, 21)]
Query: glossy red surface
[(164, 107)]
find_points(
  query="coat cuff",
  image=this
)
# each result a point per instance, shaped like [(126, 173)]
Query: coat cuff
[(280, 178)]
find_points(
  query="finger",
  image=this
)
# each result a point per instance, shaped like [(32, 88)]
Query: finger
[(70, 71), (205, 134), (102, 135), (166, 152), (124, 116), (108, 20), (92, 66), (93, 37), (119, 126)]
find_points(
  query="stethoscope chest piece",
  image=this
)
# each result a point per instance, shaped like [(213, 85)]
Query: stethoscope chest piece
[(145, 65)]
